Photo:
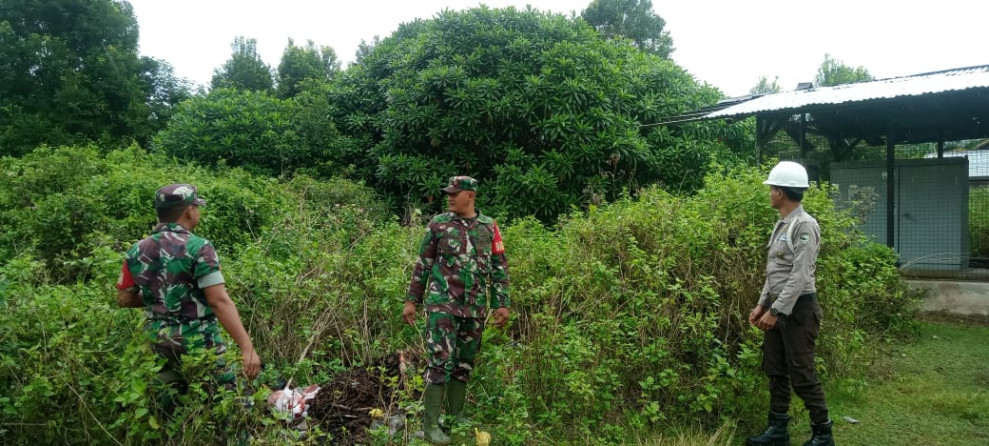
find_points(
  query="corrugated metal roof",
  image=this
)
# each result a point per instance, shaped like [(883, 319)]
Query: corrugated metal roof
[(915, 85)]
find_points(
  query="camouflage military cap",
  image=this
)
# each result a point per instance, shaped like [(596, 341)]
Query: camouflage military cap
[(179, 194), (459, 183)]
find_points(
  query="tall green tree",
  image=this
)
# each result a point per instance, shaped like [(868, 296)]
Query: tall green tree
[(542, 109), (764, 86), (365, 48), (834, 72), (244, 70), (69, 73), (163, 90), (304, 62), (631, 19)]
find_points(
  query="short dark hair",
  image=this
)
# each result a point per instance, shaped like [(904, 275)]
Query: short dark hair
[(172, 214), (794, 194)]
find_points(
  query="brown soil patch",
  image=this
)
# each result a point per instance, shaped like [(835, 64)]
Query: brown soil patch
[(342, 407)]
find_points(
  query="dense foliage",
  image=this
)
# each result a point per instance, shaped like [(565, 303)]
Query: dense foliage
[(244, 70), (764, 86), (539, 107), (627, 318), (631, 19), (300, 63), (834, 72), (70, 73), (261, 133)]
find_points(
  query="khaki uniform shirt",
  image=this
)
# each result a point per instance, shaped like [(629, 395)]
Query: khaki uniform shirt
[(792, 261)]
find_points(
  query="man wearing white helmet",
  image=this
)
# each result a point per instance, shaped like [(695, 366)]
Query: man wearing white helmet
[(788, 312)]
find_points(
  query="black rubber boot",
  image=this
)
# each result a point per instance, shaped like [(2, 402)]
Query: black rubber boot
[(822, 434), (774, 435)]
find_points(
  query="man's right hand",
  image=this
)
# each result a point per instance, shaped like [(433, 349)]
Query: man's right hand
[(252, 364), (409, 312), (756, 313)]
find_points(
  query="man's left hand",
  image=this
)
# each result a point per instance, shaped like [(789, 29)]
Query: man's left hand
[(767, 321), (500, 317)]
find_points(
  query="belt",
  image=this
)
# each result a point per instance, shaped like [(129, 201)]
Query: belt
[(807, 297), (802, 298)]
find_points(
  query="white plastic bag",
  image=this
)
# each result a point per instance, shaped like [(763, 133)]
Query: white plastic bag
[(293, 402)]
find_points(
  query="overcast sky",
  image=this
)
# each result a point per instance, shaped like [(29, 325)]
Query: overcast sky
[(726, 43)]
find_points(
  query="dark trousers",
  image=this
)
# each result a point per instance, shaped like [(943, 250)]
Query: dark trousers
[(788, 359)]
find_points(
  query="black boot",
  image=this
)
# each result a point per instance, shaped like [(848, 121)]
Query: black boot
[(822, 434), (775, 434)]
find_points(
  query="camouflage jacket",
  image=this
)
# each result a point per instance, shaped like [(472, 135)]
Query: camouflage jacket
[(170, 268), (464, 262)]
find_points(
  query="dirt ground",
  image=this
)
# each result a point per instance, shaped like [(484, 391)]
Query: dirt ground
[(342, 408)]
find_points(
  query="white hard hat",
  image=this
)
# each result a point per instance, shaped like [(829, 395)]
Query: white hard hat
[(788, 174)]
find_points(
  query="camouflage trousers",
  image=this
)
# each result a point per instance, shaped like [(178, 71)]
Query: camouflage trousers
[(451, 342), (172, 343)]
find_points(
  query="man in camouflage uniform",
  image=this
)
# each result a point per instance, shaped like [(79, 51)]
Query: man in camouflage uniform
[(788, 312), (175, 276), (462, 257)]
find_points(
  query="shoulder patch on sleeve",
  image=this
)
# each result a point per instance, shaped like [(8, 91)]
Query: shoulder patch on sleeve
[(125, 279), (497, 245)]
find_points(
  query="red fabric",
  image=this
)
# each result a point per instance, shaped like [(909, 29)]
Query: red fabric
[(497, 246), (125, 280)]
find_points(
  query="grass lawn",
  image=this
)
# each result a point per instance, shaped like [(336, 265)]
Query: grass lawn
[(932, 391)]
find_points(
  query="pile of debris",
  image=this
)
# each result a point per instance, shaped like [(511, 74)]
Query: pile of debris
[(348, 405)]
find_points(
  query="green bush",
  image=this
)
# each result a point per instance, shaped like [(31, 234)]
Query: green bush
[(543, 110), (61, 204), (71, 212), (238, 128), (627, 318)]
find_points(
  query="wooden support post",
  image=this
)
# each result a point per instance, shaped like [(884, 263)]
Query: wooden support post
[(890, 185), (803, 136), (759, 136)]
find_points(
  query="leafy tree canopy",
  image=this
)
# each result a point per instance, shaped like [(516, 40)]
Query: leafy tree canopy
[(542, 109), (764, 86), (70, 72), (365, 47), (244, 70), (631, 19), (164, 92), (834, 72), (244, 128), (304, 62)]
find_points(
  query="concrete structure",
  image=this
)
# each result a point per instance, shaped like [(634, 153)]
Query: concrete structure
[(962, 298)]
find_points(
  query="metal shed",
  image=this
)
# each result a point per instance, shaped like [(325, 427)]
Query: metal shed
[(948, 105)]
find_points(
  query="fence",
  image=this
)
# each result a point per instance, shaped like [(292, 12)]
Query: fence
[(941, 209)]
